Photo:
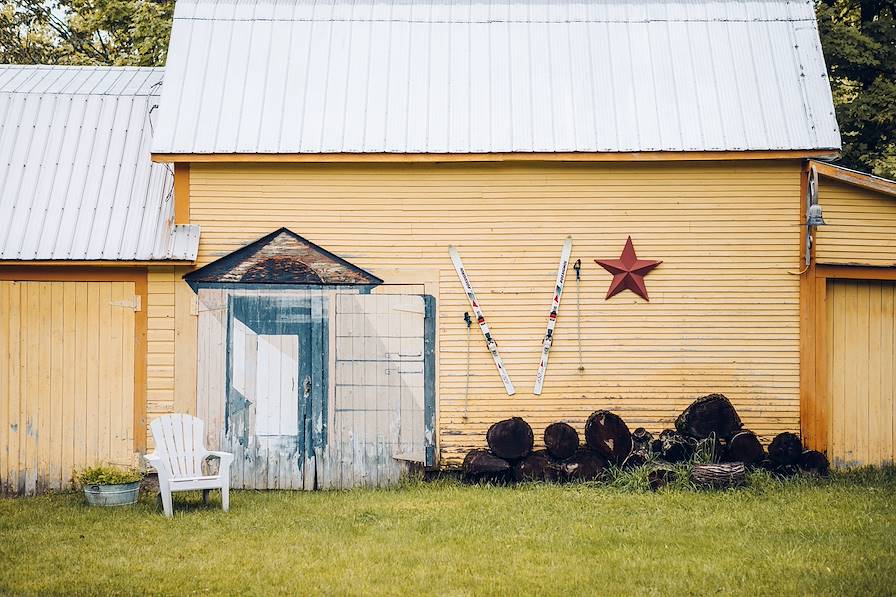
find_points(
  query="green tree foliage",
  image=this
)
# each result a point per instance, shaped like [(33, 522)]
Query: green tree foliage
[(113, 32), (859, 40)]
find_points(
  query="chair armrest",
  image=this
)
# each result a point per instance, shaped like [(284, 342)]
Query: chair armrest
[(155, 461), (221, 455), (226, 459)]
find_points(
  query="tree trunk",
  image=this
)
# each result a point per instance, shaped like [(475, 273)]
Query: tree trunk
[(745, 447), (785, 449), (608, 434), (814, 462), (510, 439), (537, 466), (482, 465), (585, 465), (707, 415), (561, 440), (719, 476)]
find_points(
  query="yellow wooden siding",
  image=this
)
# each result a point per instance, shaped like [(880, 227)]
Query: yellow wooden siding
[(171, 344), (723, 314), (861, 226), (861, 340), (66, 380)]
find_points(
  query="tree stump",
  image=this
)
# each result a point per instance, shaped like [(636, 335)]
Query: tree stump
[(510, 439), (608, 434), (745, 447), (785, 449), (482, 465), (585, 465), (561, 440), (660, 477), (719, 476), (707, 415), (814, 463), (537, 466)]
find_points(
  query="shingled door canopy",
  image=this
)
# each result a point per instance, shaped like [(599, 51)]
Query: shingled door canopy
[(281, 257)]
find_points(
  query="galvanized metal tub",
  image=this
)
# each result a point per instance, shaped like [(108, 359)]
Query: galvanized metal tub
[(125, 494)]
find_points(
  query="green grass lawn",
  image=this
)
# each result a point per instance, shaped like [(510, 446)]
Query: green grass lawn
[(802, 537)]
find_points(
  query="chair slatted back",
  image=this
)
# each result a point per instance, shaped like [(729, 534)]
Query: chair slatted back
[(180, 442)]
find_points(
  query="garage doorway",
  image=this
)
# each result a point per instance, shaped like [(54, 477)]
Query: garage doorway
[(861, 341)]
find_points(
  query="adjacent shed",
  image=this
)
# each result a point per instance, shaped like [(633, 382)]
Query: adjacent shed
[(84, 215), (849, 304)]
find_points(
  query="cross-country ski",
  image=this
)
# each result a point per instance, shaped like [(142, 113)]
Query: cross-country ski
[(480, 318), (552, 316)]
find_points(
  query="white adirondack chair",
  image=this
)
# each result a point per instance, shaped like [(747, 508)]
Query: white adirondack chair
[(179, 456)]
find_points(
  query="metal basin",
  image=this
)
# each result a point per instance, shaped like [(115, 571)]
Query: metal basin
[(125, 494)]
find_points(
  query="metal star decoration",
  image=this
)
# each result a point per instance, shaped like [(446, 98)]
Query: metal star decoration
[(628, 271)]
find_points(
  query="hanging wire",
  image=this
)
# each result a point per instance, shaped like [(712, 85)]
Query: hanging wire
[(578, 268), (469, 321)]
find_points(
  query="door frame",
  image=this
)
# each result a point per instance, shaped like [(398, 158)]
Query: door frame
[(814, 375), (307, 333)]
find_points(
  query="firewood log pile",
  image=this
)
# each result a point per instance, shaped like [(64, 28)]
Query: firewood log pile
[(709, 433)]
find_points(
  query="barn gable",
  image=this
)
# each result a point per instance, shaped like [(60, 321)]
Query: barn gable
[(281, 257)]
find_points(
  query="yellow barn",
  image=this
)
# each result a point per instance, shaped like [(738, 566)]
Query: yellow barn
[(275, 259)]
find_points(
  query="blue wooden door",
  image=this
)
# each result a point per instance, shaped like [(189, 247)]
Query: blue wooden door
[(275, 416)]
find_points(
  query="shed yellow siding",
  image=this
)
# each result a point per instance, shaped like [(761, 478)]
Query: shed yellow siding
[(723, 314), (861, 226), (861, 340), (66, 380), (171, 344)]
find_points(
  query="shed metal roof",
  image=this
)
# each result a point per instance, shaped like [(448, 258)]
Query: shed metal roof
[(76, 177), (488, 76)]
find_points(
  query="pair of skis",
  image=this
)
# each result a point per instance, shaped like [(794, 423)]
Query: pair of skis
[(486, 332)]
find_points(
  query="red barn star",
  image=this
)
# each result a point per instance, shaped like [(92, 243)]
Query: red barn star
[(628, 271)]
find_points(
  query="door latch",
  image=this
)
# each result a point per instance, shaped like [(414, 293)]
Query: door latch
[(306, 386)]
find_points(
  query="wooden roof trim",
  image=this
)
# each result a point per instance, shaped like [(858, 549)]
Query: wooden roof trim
[(637, 156), (194, 278), (859, 179)]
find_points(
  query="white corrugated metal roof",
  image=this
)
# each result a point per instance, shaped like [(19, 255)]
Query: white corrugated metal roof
[(76, 177), (442, 76)]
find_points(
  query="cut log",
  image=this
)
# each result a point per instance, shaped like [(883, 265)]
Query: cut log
[(673, 447), (641, 439), (510, 439), (660, 477), (712, 414), (787, 470), (585, 465), (537, 466), (785, 449), (561, 440), (814, 463), (482, 465), (745, 447), (636, 459), (608, 434), (719, 476)]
